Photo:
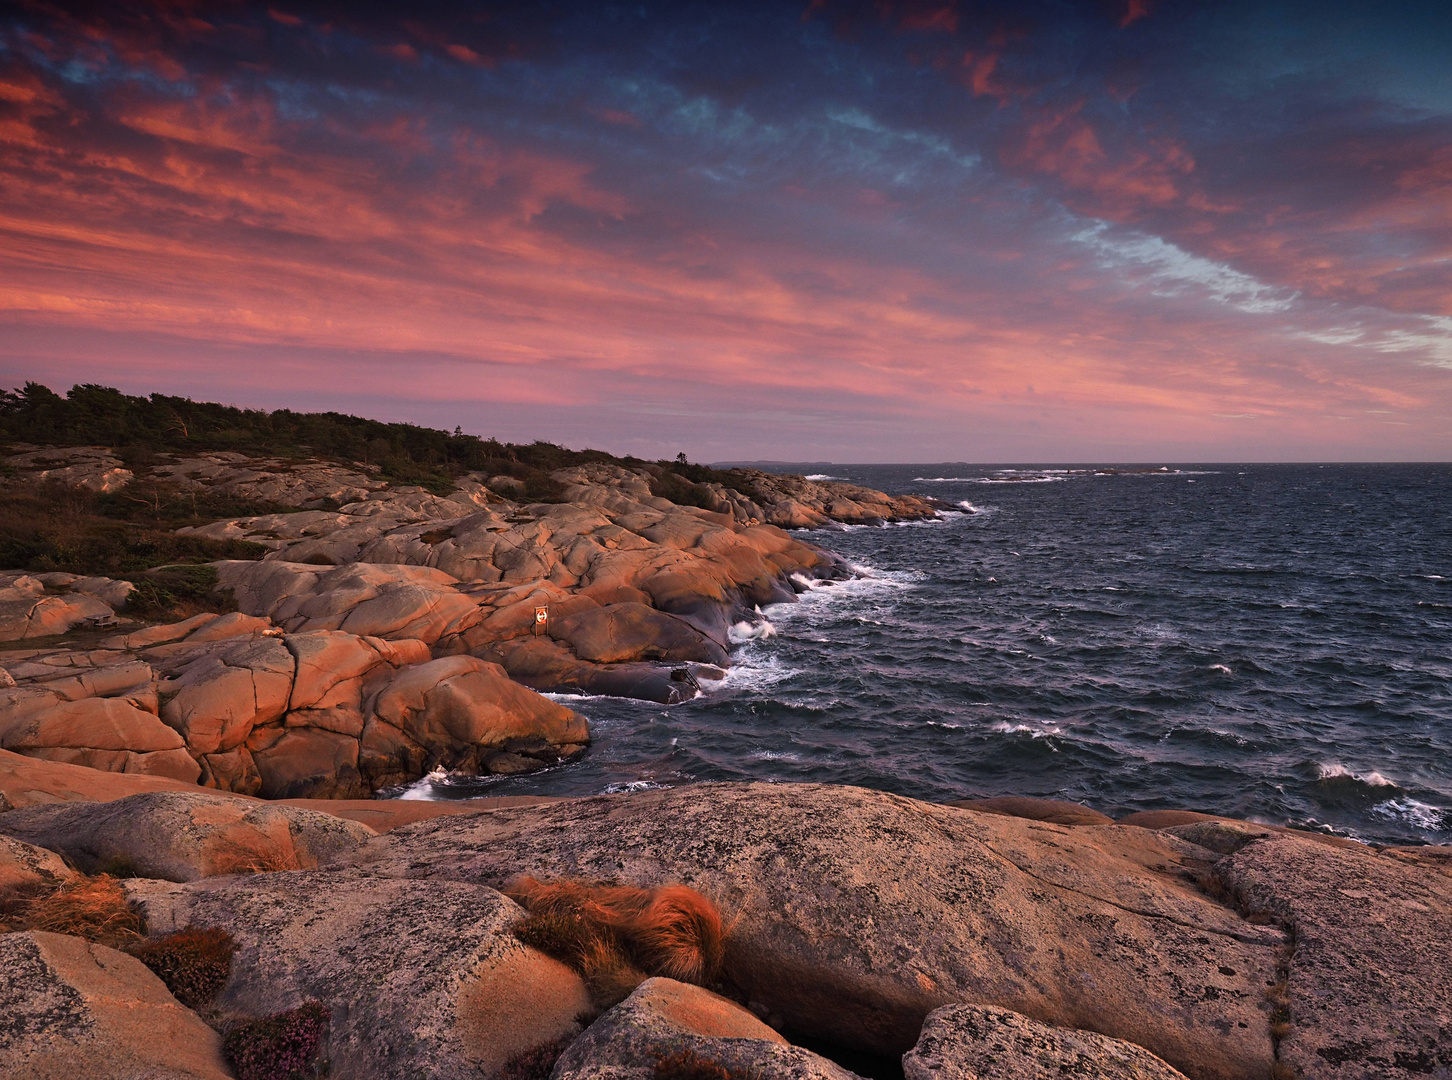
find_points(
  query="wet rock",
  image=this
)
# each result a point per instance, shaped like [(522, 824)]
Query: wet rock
[(1055, 810), (858, 913), (980, 1042), (1369, 985), (421, 978), (180, 836), (72, 1008), (665, 1021), (624, 632)]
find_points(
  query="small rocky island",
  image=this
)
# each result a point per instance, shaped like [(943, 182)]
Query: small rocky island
[(224, 632)]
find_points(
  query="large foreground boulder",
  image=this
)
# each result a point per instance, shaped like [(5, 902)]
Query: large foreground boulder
[(182, 836), (1369, 984), (980, 1042), (666, 1022), (24, 866), (72, 1009), (857, 913), (421, 978)]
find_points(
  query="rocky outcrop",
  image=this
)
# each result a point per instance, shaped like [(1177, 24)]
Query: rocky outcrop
[(179, 836), (29, 608), (666, 1022), (1368, 989), (421, 978), (857, 913), (980, 1042), (95, 468), (72, 1008), (235, 703), (1055, 810)]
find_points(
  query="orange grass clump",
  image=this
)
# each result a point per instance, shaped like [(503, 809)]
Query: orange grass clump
[(617, 935), (94, 908)]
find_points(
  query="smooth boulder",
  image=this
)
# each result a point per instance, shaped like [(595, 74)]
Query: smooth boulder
[(72, 1008), (182, 836), (665, 1020), (980, 1042), (856, 913), (1369, 981), (421, 978)]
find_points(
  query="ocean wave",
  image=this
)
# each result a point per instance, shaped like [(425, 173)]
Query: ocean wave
[(742, 632), (1008, 727), (627, 786), (1222, 668), (822, 476), (945, 479), (1414, 812), (1335, 772)]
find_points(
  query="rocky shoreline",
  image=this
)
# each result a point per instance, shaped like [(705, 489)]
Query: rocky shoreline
[(397, 631), (195, 880)]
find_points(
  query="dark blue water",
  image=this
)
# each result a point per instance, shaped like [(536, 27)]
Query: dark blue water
[(1272, 642)]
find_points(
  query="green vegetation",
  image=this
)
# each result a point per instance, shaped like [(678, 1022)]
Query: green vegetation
[(129, 535), (140, 427)]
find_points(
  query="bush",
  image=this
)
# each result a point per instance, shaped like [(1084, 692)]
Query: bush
[(617, 935), (287, 1046), (194, 964), (689, 1065)]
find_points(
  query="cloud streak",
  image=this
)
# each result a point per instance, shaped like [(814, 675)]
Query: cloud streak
[(635, 230)]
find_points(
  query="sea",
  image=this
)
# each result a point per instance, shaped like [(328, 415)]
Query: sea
[(1270, 642)]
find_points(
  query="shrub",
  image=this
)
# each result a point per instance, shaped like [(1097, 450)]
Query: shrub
[(287, 1046), (194, 964), (616, 935)]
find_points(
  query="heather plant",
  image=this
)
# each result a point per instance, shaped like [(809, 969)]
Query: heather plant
[(286, 1046), (688, 1065), (193, 963)]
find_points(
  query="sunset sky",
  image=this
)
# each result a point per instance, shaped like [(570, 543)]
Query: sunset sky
[(1136, 230)]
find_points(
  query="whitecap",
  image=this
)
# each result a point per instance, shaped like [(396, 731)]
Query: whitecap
[(774, 755), (744, 631), (1422, 815), (624, 787), (1220, 668), (946, 479), (1333, 771), (822, 476), (1005, 727)]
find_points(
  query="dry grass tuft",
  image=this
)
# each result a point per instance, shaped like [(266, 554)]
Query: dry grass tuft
[(617, 935), (250, 861), (193, 963), (94, 908)]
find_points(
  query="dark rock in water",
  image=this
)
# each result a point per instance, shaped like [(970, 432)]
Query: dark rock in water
[(546, 665), (980, 1042), (857, 913), (1369, 983), (71, 1008), (181, 836), (420, 978), (1019, 806)]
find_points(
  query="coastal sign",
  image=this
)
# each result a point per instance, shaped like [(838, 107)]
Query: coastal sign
[(541, 620)]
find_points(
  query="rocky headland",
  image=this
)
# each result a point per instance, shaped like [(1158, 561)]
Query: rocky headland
[(196, 881)]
